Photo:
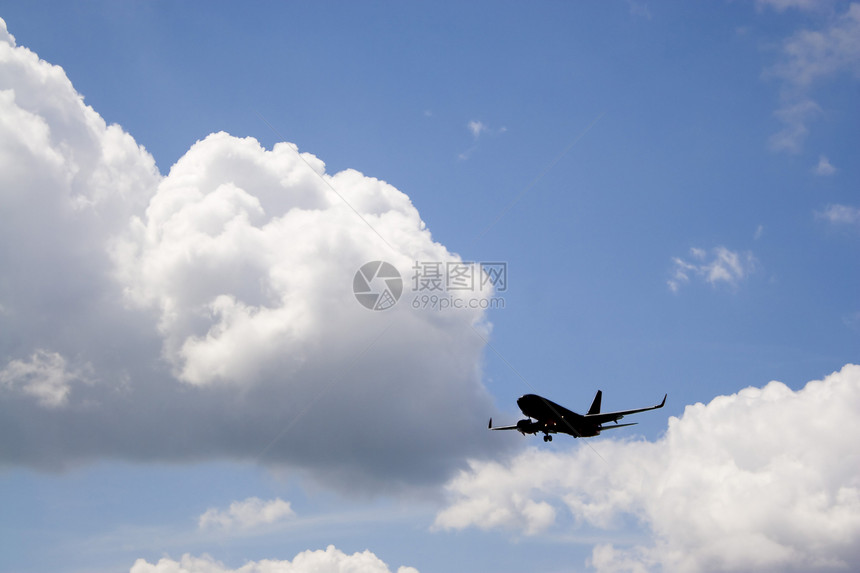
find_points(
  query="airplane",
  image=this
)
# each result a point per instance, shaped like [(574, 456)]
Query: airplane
[(550, 418)]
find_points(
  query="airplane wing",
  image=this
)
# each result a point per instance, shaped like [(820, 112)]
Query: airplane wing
[(604, 417), (490, 426)]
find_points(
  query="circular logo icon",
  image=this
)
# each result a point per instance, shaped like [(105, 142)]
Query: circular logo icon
[(377, 285)]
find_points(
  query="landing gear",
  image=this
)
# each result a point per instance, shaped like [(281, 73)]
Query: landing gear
[(547, 438)]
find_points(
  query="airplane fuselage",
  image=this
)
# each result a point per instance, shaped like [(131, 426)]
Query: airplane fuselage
[(553, 418)]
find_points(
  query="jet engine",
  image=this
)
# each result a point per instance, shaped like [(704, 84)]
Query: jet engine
[(529, 427)]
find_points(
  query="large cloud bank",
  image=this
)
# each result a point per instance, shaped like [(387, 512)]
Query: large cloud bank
[(331, 560), (767, 479), (209, 313)]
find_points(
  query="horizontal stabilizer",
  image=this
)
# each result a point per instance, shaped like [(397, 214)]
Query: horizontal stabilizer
[(613, 426)]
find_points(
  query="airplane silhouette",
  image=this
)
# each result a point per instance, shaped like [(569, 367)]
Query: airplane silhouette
[(550, 418)]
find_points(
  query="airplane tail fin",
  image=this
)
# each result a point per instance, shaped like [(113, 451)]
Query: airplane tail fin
[(595, 406)]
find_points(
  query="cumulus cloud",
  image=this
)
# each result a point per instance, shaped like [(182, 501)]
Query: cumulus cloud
[(723, 266), (248, 514), (214, 305), (809, 57), (330, 560), (68, 183), (766, 479)]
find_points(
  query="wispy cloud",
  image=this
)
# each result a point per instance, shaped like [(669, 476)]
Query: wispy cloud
[(794, 117), (824, 167), (721, 265), (808, 57), (248, 514), (639, 9), (783, 5), (478, 129), (46, 377), (814, 54), (840, 215), (852, 320)]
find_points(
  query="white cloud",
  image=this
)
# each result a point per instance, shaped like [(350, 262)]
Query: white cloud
[(215, 304), (476, 128), (808, 57), (795, 116), (767, 479), (330, 560), (5, 36), (852, 320), (248, 514), (824, 167), (68, 183), (840, 215), (639, 9), (45, 377), (782, 5), (815, 54), (724, 266)]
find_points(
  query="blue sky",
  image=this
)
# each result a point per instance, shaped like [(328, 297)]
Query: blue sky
[(673, 188)]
